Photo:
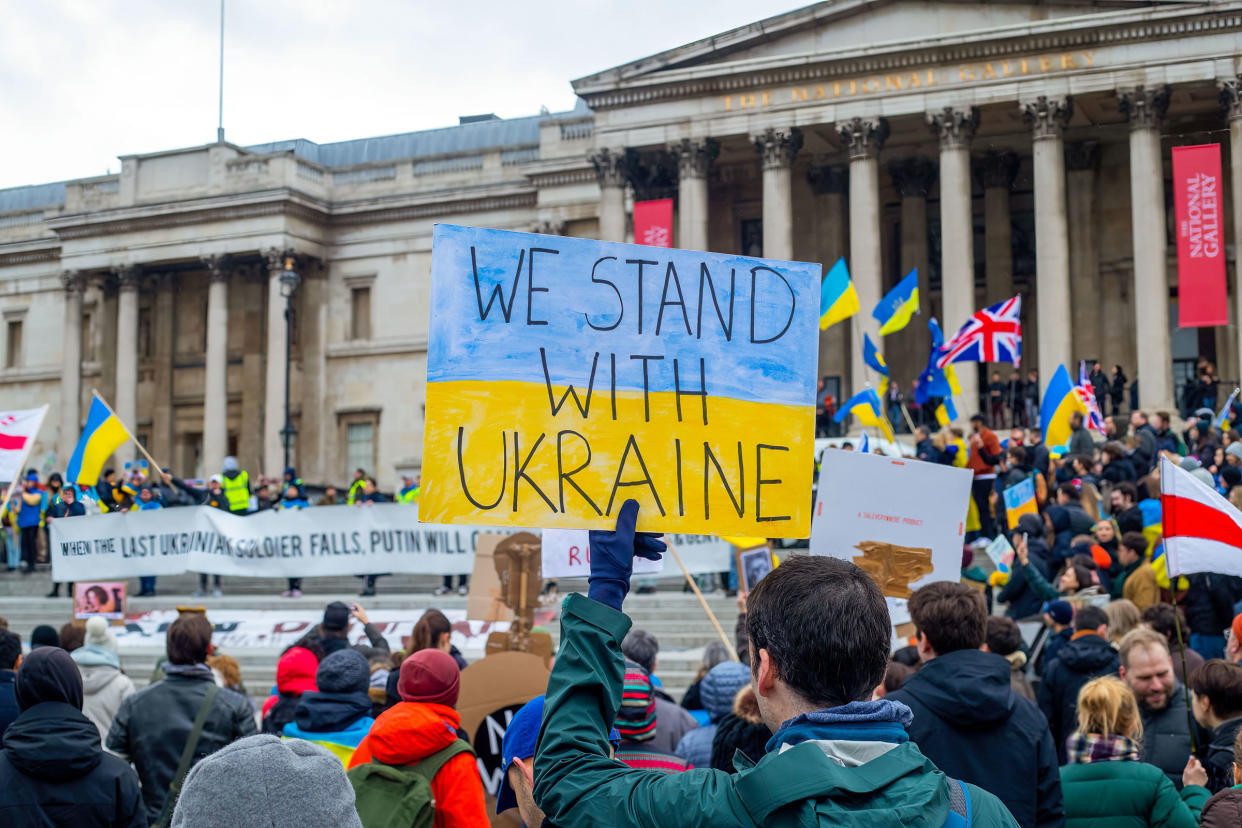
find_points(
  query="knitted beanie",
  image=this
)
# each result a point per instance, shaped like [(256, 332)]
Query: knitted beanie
[(345, 671), (430, 676), (98, 634), (636, 718)]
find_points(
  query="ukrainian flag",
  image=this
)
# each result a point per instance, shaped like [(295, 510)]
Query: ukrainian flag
[(865, 405), (102, 435), (898, 305), (946, 412), (1058, 404), (873, 357), (837, 299)]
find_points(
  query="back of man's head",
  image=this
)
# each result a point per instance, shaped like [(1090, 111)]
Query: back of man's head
[(1220, 682), (950, 616), (1165, 620), (825, 627), (189, 639), (642, 648), (1003, 635), (1090, 617), (10, 650)]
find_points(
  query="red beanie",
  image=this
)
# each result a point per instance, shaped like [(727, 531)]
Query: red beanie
[(1236, 626), (295, 672), (429, 676)]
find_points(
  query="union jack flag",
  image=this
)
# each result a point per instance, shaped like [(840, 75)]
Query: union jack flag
[(993, 334), (1086, 392)]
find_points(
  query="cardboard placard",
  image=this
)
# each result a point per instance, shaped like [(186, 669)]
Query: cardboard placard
[(103, 598), (567, 375), (1020, 500)]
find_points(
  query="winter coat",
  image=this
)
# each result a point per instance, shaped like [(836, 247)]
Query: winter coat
[(1021, 597), (104, 686), (54, 772), (1080, 442), (1218, 755), (8, 701), (1052, 649), (1139, 585), (411, 731), (577, 784), (1127, 794), (1059, 517), (335, 721), (1209, 602), (1166, 739), (742, 729), (151, 727), (717, 690), (1223, 810), (1082, 659), (971, 724), (1119, 471)]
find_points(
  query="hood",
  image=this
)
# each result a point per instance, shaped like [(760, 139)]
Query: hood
[(720, 686), (232, 475), (327, 712), (96, 677), (93, 656), (968, 688), (1088, 654), (1059, 517), (408, 732), (295, 671), (1225, 808), (53, 741)]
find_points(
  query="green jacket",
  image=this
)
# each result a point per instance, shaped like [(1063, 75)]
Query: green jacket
[(1127, 794), (576, 784)]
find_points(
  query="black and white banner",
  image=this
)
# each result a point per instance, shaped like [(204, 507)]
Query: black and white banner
[(322, 540)]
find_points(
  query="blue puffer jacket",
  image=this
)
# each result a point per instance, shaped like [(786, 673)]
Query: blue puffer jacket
[(716, 690)]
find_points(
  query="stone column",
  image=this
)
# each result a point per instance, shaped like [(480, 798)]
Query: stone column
[(215, 384), (913, 177), (1145, 107), (1087, 312), (71, 365), (996, 172), (777, 148), (829, 184), (864, 137), (1047, 117), (1231, 97), (610, 170), (694, 160), (955, 127), (126, 402), (274, 395)]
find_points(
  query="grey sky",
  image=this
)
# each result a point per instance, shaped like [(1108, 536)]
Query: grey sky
[(85, 81)]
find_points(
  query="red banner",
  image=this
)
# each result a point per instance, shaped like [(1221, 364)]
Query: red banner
[(653, 222), (1197, 195)]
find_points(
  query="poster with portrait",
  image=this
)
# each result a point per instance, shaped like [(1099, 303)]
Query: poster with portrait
[(752, 565), (104, 598)]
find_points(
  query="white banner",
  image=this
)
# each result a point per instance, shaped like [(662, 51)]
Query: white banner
[(319, 541)]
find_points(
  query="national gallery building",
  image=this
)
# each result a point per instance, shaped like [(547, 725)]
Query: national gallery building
[(1000, 148)]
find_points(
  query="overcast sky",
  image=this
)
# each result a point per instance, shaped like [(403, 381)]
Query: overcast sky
[(85, 81)]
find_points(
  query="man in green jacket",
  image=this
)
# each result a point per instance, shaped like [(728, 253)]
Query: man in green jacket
[(819, 638)]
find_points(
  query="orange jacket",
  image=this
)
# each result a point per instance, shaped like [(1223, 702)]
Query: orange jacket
[(410, 731), (990, 446)]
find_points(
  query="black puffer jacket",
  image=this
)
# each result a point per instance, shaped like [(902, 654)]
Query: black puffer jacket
[(1209, 602), (1079, 661), (733, 733), (151, 727), (54, 772)]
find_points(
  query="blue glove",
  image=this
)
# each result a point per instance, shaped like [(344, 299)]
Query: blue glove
[(612, 557)]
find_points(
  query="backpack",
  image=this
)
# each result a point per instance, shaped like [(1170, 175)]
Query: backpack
[(399, 796)]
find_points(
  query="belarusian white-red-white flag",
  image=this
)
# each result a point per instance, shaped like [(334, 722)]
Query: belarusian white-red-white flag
[(1202, 530)]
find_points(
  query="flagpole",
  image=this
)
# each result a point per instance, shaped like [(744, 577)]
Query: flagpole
[(8, 492), (1181, 648), (156, 466), (711, 616)]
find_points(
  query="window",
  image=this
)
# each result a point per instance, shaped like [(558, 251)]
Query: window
[(360, 313), (359, 447), (13, 344)]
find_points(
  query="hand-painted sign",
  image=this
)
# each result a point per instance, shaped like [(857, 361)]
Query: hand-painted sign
[(566, 375)]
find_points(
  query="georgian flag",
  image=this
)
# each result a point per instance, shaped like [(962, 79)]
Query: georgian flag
[(1202, 530)]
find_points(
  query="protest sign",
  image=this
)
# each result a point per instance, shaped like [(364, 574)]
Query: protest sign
[(565, 376), (902, 521), (567, 555), (1019, 501), (1001, 554), (94, 598), (752, 566), (492, 690)]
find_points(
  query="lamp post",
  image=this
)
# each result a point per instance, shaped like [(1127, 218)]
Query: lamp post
[(289, 281)]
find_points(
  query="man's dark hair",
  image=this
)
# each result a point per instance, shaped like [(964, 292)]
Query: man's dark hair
[(1163, 619), (825, 626), (895, 676), (1003, 635), (107, 473), (1221, 682), (1069, 490), (10, 649), (189, 639), (977, 418), (1128, 489), (1018, 454), (1135, 542), (641, 647), (950, 616), (1089, 617)]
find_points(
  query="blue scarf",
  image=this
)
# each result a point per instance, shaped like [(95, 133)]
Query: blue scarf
[(870, 721)]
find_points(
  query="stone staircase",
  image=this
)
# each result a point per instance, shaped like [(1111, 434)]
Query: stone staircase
[(673, 616)]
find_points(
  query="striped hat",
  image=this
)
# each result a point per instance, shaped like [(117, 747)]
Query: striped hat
[(636, 719)]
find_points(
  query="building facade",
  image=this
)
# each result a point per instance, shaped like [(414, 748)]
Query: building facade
[(998, 147)]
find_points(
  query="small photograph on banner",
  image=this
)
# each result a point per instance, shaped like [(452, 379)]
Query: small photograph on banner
[(103, 598), (1019, 501)]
